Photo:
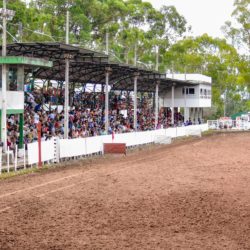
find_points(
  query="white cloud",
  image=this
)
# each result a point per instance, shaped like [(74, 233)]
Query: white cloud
[(205, 16)]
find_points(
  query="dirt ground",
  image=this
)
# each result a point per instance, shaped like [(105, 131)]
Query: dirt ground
[(189, 195)]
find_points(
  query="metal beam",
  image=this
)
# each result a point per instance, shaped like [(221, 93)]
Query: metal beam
[(135, 100), (156, 103), (107, 73)]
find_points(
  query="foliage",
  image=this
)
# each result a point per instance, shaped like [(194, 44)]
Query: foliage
[(216, 58), (135, 25), (238, 32)]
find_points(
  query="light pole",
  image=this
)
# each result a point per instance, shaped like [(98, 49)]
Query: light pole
[(107, 42), (157, 58), (6, 15), (66, 94), (157, 89), (135, 55)]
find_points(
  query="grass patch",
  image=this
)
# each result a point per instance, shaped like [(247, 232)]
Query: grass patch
[(5, 175), (223, 131), (210, 132)]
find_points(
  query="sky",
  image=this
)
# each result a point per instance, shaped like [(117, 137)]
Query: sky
[(205, 16)]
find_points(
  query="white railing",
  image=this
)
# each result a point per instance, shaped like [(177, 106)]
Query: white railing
[(91, 145), (47, 151), (55, 150), (228, 124)]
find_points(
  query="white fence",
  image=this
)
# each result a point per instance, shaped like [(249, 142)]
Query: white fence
[(55, 149), (228, 124), (86, 146), (48, 149)]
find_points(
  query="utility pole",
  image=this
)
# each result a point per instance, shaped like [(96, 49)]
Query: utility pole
[(67, 25), (107, 42), (6, 14), (172, 70), (157, 58), (135, 55), (225, 102), (20, 31), (66, 99)]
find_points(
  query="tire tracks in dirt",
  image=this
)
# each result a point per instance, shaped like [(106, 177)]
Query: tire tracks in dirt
[(57, 185)]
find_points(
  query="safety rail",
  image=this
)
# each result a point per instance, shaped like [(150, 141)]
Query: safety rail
[(228, 124), (56, 150)]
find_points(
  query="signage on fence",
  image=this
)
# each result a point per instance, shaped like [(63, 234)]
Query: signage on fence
[(114, 148)]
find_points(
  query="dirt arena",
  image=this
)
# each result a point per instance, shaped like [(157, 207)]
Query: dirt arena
[(189, 195)]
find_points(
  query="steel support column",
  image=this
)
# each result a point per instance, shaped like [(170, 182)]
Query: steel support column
[(66, 98), (4, 83), (156, 103), (172, 113), (135, 100), (107, 73)]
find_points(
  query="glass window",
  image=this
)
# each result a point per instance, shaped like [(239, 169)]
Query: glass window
[(191, 91), (12, 79), (20, 78), (15, 78)]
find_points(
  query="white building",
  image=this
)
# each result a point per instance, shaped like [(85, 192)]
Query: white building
[(193, 95)]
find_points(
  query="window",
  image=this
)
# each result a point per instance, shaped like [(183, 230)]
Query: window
[(201, 90), (15, 78), (191, 91), (183, 91)]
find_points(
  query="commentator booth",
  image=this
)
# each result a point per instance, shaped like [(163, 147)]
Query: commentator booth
[(18, 67)]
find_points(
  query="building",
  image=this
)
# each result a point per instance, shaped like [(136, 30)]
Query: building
[(193, 98), (16, 69)]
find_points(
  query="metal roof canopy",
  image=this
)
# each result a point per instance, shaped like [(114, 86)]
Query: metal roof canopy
[(87, 66)]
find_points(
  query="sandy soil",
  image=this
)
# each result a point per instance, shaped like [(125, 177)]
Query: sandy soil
[(192, 195)]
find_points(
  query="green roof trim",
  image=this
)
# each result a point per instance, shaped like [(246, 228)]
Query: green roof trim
[(13, 111), (26, 61)]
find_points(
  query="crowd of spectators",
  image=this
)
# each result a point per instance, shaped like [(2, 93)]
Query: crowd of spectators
[(86, 115)]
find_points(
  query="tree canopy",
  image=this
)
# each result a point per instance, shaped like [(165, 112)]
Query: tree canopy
[(135, 26)]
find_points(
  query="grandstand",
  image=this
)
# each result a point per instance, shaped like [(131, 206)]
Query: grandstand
[(131, 102)]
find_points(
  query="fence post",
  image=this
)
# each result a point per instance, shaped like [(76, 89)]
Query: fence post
[(15, 161), (56, 149), (8, 159), (24, 158), (39, 128), (1, 151)]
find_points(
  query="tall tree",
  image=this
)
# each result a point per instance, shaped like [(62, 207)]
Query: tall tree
[(216, 58), (238, 30)]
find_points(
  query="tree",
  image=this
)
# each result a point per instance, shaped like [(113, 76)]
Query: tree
[(239, 32), (216, 58)]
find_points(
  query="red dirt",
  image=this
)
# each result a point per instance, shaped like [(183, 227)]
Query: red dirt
[(193, 195)]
